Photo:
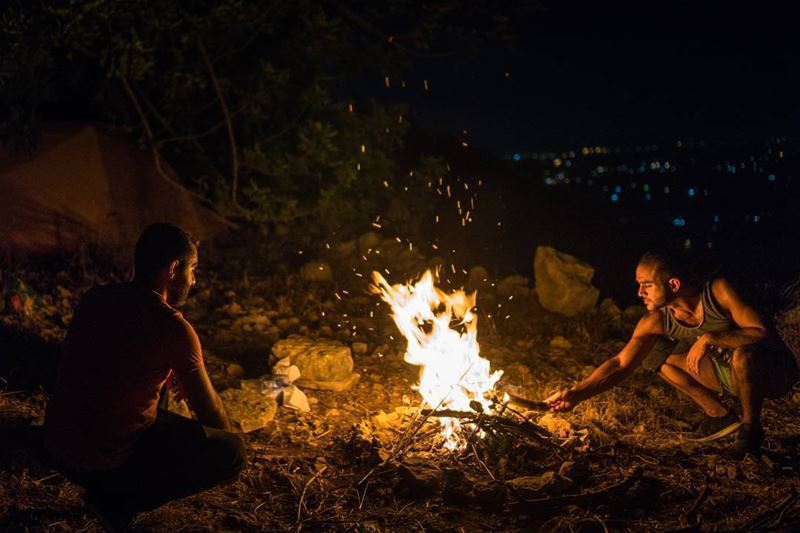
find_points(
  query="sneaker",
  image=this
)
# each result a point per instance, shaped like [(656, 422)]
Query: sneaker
[(748, 440), (715, 427)]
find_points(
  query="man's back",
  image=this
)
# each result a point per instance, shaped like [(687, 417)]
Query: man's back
[(121, 345)]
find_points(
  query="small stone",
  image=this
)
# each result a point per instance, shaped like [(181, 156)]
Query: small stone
[(491, 494), (420, 478), (359, 348), (236, 370), (294, 398), (291, 372), (560, 343)]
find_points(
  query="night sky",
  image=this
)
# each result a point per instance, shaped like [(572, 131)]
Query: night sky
[(587, 73)]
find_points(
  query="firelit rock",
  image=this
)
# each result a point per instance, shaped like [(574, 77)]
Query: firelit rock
[(247, 409), (563, 282), (318, 360)]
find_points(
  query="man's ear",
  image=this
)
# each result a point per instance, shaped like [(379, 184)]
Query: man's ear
[(173, 268), (674, 284)]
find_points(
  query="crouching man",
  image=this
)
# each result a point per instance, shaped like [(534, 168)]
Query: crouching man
[(103, 426), (703, 339)]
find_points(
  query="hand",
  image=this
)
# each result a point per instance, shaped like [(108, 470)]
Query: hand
[(563, 400), (696, 353)]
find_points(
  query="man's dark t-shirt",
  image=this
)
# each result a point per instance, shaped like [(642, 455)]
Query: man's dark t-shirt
[(121, 345)]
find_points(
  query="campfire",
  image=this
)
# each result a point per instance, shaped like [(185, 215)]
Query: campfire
[(441, 330)]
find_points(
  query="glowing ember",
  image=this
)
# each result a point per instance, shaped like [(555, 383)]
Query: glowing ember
[(452, 373)]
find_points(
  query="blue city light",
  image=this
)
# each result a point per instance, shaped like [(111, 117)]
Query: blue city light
[(648, 196), (517, 157), (691, 191), (772, 177), (679, 221), (617, 189), (615, 197), (716, 218)]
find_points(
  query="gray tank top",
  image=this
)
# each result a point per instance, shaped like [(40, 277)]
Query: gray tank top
[(714, 319)]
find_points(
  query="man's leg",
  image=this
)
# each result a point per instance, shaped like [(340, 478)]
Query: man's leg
[(701, 389), (758, 373), (175, 457)]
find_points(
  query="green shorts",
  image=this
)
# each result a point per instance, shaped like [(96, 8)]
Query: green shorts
[(721, 359)]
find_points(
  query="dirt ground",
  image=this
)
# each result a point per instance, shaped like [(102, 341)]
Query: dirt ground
[(367, 460)]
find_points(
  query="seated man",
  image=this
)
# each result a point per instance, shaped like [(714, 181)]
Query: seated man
[(703, 340), (103, 425)]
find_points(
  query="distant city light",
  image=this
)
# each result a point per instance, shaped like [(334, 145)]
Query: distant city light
[(716, 218), (679, 221), (646, 187), (771, 177), (691, 191), (517, 156), (648, 196), (618, 189), (615, 197)]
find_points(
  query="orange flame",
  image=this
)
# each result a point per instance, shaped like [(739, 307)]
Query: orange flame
[(453, 373)]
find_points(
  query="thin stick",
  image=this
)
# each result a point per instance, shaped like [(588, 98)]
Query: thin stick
[(228, 122), (482, 463), (303, 495)]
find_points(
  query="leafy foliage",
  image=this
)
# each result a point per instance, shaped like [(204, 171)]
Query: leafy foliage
[(250, 100)]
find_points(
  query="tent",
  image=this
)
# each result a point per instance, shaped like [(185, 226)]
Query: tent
[(82, 187)]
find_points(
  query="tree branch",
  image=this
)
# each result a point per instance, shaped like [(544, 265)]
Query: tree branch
[(228, 122)]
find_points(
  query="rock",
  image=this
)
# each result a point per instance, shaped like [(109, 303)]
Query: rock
[(513, 286), (456, 487), (563, 282), (419, 478), (491, 494), (319, 360), (633, 313), (367, 241), (477, 278), (294, 398), (236, 370), (359, 348), (576, 471), (556, 425), (537, 486), (271, 386), (290, 372), (331, 385), (318, 271), (560, 343), (248, 410), (610, 310)]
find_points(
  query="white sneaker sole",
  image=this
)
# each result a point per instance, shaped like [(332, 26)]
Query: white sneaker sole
[(724, 432)]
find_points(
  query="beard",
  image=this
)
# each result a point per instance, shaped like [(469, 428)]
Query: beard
[(177, 295)]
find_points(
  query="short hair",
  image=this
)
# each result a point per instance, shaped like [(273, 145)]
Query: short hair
[(159, 245), (670, 264)]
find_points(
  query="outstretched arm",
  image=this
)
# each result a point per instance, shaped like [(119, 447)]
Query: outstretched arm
[(615, 370)]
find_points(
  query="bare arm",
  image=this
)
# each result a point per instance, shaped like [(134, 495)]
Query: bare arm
[(751, 327), (614, 370), (204, 400)]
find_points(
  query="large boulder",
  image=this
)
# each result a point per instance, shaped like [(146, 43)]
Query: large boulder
[(563, 282), (323, 363)]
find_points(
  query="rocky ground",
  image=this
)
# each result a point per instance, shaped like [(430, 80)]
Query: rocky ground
[(366, 458)]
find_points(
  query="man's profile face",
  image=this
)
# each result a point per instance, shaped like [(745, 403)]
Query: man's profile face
[(180, 285), (654, 292)]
